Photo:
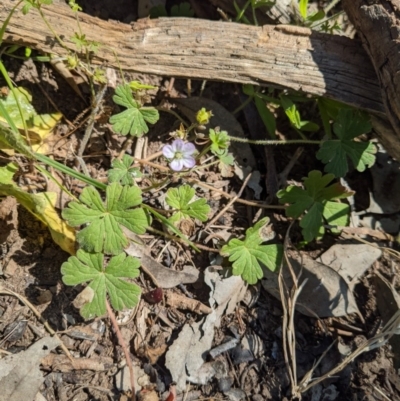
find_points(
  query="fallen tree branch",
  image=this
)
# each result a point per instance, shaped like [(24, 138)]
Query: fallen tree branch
[(281, 56), (377, 23)]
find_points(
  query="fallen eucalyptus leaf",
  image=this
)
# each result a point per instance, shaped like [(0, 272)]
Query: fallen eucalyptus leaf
[(20, 376), (185, 358), (325, 293), (351, 261), (166, 278)]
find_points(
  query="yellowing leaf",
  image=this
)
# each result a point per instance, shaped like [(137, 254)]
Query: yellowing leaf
[(39, 126), (41, 205)]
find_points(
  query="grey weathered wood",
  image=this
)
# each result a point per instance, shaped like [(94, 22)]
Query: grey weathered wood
[(282, 56), (377, 23)]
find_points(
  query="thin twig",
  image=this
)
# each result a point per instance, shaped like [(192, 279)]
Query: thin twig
[(230, 203), (92, 118), (124, 348), (4, 291), (229, 196), (181, 241)]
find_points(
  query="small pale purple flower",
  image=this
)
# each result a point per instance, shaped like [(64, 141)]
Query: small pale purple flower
[(180, 154)]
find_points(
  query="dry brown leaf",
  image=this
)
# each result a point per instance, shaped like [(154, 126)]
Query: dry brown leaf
[(325, 293)]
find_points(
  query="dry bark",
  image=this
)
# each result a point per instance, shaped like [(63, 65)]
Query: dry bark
[(282, 56), (377, 23)]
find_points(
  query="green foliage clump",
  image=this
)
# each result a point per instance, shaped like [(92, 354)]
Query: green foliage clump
[(103, 222), (316, 204), (249, 254), (110, 280)]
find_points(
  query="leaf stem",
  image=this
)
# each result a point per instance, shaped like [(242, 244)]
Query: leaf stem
[(124, 348), (275, 142)]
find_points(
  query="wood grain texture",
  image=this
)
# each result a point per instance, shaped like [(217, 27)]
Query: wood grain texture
[(281, 56), (377, 23)]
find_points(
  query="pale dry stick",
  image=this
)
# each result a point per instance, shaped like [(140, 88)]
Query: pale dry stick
[(391, 328), (288, 335), (162, 251), (128, 142), (351, 235), (155, 165), (381, 393), (230, 203), (151, 157), (225, 194), (5, 291), (283, 175), (288, 304), (289, 339), (229, 196), (88, 132), (124, 348), (181, 241)]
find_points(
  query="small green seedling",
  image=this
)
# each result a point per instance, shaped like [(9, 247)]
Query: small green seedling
[(181, 199), (294, 116), (247, 255), (122, 171), (220, 147), (28, 4), (89, 267), (335, 152), (315, 203), (82, 42), (103, 221), (309, 20), (134, 119)]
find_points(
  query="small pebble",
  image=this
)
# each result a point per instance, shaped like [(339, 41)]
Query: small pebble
[(225, 384)]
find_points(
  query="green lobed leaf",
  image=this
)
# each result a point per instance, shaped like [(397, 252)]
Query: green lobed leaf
[(123, 172), (226, 158), (312, 222), (336, 214), (248, 255), (88, 267), (103, 232), (316, 201), (219, 141), (181, 200), (335, 152), (134, 119)]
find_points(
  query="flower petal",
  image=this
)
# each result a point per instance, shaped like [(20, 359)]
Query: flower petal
[(176, 164), (188, 162), (168, 151), (188, 149), (178, 145)]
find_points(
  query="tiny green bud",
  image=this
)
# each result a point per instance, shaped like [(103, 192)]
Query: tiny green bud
[(203, 116)]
